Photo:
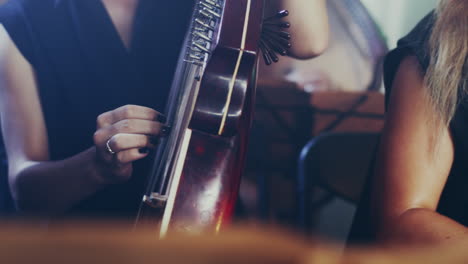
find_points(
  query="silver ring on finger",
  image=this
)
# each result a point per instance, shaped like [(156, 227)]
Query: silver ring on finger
[(109, 149)]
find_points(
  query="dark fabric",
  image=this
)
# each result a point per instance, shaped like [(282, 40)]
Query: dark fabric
[(454, 199), (83, 69)]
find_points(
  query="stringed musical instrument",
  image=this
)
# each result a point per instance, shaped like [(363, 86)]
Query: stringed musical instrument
[(195, 179)]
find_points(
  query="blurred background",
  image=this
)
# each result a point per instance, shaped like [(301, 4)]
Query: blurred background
[(397, 17), (317, 122)]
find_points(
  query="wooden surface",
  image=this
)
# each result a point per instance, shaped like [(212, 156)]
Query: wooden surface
[(104, 243), (366, 117)]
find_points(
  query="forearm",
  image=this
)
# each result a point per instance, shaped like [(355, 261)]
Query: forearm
[(51, 188), (423, 226), (309, 25)]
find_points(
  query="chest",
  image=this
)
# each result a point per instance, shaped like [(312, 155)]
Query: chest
[(122, 15), (84, 69)]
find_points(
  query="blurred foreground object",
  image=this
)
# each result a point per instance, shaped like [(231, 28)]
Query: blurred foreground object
[(113, 244)]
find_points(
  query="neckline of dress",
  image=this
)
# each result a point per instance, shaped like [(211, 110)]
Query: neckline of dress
[(107, 21)]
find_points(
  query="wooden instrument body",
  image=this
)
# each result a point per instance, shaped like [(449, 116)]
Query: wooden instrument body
[(212, 156), (210, 180)]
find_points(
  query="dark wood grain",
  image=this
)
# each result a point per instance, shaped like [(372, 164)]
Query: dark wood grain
[(212, 168), (215, 161)]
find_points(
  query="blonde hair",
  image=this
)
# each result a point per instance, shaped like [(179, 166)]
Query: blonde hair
[(446, 77)]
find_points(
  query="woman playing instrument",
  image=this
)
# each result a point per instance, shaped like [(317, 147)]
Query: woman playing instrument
[(421, 183), (85, 82)]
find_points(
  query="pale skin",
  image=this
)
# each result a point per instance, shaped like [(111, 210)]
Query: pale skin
[(410, 176), (40, 185)]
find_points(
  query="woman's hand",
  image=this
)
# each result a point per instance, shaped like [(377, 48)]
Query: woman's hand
[(124, 135)]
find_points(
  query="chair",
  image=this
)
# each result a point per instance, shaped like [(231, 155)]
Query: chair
[(337, 163)]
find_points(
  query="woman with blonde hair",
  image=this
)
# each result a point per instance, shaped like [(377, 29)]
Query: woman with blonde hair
[(420, 186)]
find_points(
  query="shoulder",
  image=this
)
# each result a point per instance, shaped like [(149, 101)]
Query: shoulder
[(9, 4), (14, 49), (420, 32), (17, 21), (4, 38), (409, 75), (414, 44), (14, 28), (417, 40), (10, 55), (407, 83), (12, 11)]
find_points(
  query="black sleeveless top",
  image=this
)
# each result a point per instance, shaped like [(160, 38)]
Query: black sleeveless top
[(454, 200), (83, 69)]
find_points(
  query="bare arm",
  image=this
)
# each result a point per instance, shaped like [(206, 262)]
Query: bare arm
[(27, 145), (47, 187), (309, 25), (409, 176)]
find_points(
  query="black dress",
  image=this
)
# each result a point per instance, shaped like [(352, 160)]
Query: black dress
[(83, 69), (454, 200)]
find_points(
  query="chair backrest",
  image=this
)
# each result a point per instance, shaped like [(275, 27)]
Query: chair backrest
[(336, 162)]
